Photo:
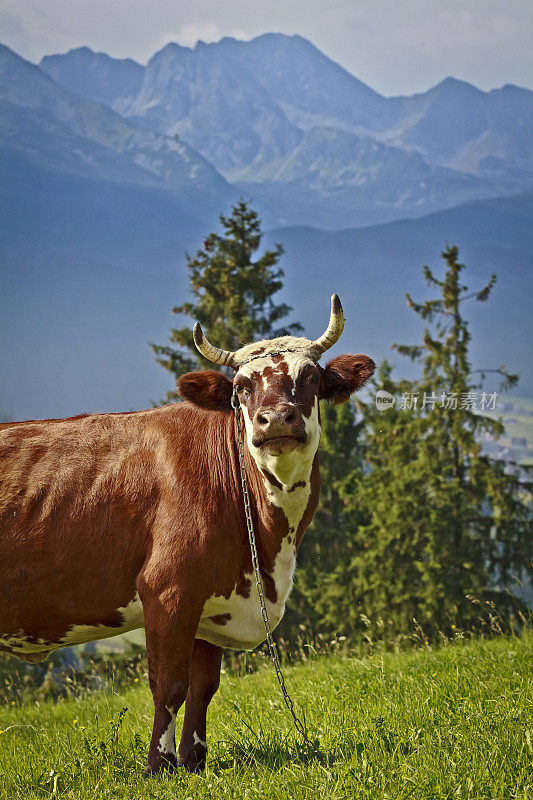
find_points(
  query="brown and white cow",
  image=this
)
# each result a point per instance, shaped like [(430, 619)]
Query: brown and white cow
[(110, 522)]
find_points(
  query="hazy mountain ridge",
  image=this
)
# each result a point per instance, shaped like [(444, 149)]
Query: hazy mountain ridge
[(95, 76), (58, 130), (310, 87), (224, 113), (492, 136), (258, 111)]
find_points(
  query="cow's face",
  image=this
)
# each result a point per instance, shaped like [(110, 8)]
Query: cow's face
[(278, 391), (279, 384)]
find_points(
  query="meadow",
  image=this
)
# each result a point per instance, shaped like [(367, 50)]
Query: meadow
[(454, 721), (518, 424)]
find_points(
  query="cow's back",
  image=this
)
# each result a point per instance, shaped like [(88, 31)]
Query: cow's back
[(76, 501)]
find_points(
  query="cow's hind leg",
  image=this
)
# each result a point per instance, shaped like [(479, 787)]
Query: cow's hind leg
[(169, 643), (203, 682)]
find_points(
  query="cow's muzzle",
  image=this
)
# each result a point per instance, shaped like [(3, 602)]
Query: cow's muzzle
[(278, 427)]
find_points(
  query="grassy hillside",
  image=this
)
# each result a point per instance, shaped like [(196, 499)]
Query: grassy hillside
[(455, 722), (517, 442)]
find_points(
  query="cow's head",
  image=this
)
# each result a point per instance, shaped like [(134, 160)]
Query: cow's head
[(278, 383)]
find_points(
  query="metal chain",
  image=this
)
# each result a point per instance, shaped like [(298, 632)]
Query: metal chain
[(272, 649)]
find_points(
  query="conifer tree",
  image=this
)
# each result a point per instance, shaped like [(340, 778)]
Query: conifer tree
[(449, 526), (232, 294)]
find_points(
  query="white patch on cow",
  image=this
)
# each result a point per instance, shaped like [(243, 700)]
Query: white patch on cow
[(245, 629), (288, 345), (132, 615), (196, 740), (19, 645), (167, 745)]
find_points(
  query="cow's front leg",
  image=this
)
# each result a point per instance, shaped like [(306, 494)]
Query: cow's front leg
[(169, 643), (204, 679)]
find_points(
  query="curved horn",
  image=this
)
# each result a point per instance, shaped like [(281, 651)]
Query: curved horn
[(223, 357), (334, 329)]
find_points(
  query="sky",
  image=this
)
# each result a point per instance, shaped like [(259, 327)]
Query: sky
[(394, 46)]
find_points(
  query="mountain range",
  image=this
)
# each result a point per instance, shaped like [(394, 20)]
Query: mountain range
[(276, 114), (111, 170)]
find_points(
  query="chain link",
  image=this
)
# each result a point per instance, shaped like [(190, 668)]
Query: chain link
[(272, 649)]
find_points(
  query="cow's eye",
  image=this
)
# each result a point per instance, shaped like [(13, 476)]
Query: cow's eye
[(312, 378)]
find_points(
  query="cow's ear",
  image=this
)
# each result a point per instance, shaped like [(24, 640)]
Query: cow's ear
[(344, 375), (209, 389)]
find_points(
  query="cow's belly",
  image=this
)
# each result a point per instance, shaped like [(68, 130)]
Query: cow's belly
[(37, 648), (234, 622)]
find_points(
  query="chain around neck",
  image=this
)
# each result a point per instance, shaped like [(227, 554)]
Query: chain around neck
[(272, 649)]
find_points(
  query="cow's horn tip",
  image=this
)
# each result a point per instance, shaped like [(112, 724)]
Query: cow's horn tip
[(336, 305), (197, 333)]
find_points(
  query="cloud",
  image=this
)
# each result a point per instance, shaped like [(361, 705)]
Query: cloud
[(191, 32)]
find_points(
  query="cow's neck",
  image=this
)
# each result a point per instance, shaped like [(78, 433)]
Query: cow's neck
[(294, 499), (285, 471), (285, 490)]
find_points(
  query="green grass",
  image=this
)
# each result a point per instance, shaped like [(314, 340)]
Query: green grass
[(454, 722)]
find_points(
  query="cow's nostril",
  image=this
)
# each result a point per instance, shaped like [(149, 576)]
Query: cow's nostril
[(261, 419), (290, 416)]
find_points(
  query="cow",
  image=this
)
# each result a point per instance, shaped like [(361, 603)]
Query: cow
[(112, 522)]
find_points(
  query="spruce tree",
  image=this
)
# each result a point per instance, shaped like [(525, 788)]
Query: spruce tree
[(449, 527), (232, 294)]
